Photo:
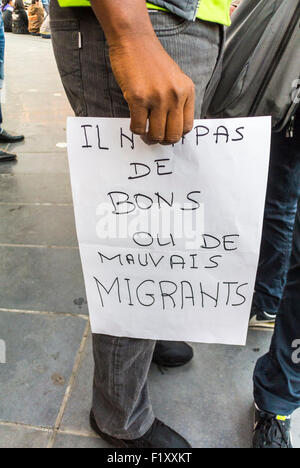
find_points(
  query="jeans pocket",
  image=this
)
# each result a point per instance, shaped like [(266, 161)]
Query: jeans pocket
[(66, 40), (167, 24)]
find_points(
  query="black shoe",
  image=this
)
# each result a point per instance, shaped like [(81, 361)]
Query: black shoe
[(271, 431), (158, 436), (172, 353), (5, 156), (261, 319), (7, 138)]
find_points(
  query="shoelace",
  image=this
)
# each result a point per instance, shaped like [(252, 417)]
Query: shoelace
[(273, 431)]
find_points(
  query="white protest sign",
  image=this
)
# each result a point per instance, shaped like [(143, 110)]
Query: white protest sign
[(169, 236)]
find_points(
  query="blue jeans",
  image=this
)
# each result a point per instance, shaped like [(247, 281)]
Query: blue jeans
[(2, 50), (277, 374), (280, 212), (2, 47)]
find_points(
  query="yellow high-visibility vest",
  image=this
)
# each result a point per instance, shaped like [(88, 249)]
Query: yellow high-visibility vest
[(215, 11)]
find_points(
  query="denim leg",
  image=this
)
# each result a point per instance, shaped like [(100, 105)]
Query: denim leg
[(2, 51), (121, 402), (280, 211), (277, 374), (2, 43)]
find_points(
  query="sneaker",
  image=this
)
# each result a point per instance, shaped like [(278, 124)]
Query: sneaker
[(271, 431), (158, 436), (261, 319)]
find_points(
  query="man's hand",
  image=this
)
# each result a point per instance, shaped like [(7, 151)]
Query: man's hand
[(155, 88), (153, 85)]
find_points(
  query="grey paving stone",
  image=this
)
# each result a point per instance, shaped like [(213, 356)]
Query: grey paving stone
[(37, 225), (209, 401), (40, 355), (38, 56), (31, 107), (73, 441), (41, 135), (38, 138), (31, 104), (76, 416), (42, 279), (38, 163), (20, 437), (35, 188)]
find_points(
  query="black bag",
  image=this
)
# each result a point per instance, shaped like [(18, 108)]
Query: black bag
[(261, 68)]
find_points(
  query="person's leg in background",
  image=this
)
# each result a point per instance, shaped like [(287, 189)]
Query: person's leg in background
[(277, 374), (46, 6), (280, 211), (4, 136), (121, 404)]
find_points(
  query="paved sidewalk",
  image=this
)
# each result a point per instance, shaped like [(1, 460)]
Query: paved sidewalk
[(45, 387)]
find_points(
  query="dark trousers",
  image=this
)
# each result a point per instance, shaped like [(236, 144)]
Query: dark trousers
[(280, 212), (277, 374), (121, 401)]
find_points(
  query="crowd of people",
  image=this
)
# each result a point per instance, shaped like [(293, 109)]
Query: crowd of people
[(19, 18)]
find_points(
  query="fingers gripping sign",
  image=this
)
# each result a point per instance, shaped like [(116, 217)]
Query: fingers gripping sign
[(159, 95)]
